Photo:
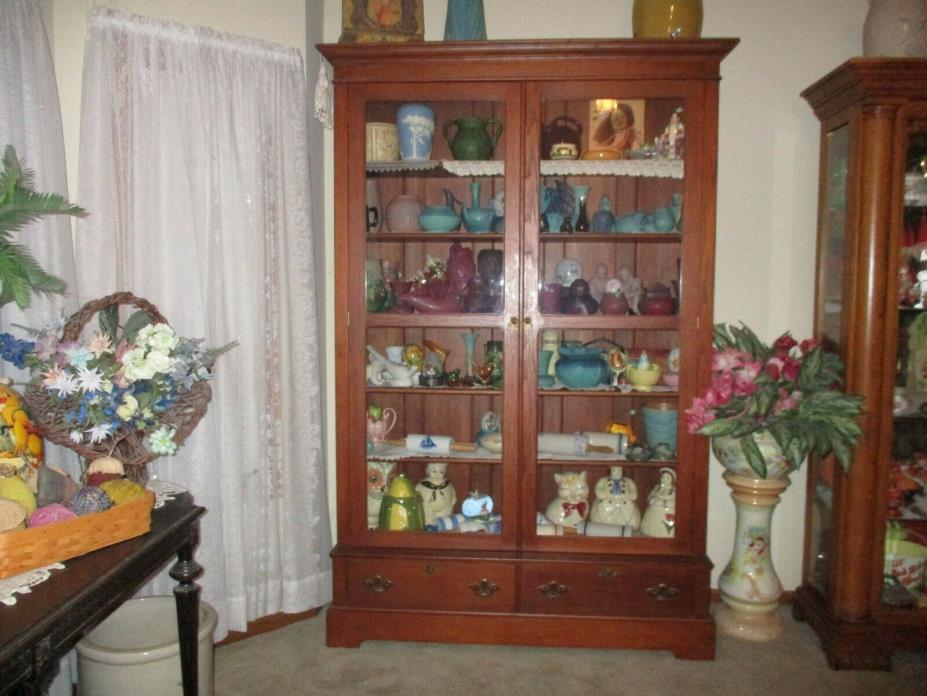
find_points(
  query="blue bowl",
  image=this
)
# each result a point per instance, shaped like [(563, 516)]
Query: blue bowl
[(581, 367), (438, 220)]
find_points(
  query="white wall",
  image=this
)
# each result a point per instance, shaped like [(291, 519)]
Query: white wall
[(767, 172)]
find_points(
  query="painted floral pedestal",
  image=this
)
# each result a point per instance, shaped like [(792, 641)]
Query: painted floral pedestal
[(749, 585)]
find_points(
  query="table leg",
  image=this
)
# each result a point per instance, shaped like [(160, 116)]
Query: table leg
[(187, 597)]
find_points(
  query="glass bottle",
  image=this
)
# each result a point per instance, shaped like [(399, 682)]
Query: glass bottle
[(582, 220)]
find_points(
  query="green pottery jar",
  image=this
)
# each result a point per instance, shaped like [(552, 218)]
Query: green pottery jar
[(667, 19)]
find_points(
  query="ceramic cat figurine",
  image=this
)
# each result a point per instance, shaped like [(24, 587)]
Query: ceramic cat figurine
[(571, 506), (615, 500), (437, 492), (378, 474)]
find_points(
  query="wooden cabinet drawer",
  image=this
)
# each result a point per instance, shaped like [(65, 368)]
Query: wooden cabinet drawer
[(434, 584), (659, 590)]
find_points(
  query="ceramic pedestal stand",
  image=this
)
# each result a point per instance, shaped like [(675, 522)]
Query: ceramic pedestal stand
[(749, 586)]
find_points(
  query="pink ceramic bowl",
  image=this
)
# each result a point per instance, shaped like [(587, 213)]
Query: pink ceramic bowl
[(671, 379)]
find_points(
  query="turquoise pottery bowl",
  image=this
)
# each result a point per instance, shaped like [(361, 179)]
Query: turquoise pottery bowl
[(581, 367), (438, 220)]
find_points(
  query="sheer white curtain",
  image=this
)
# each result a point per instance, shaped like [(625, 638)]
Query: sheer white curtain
[(30, 121), (194, 158)]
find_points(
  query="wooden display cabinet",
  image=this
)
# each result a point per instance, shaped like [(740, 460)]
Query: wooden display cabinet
[(869, 305), (521, 579)]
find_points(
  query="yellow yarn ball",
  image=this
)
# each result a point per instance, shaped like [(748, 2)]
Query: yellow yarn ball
[(16, 489), (122, 490)]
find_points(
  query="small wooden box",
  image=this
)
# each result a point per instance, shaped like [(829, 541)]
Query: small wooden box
[(25, 549)]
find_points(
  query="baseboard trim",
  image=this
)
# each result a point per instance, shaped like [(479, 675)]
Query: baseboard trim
[(266, 624)]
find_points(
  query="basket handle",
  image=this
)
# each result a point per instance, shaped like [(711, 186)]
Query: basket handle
[(77, 322)]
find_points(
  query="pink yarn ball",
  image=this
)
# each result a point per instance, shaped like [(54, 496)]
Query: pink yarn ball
[(56, 512)]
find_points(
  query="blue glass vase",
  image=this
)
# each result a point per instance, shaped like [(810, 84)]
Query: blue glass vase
[(465, 21)]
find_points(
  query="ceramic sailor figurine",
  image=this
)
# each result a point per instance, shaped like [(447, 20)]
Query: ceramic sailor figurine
[(437, 492), (571, 505), (615, 500), (660, 518)]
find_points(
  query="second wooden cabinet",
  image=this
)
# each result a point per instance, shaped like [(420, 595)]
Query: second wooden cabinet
[(480, 337)]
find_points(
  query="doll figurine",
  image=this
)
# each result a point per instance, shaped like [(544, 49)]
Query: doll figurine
[(571, 505), (660, 517)]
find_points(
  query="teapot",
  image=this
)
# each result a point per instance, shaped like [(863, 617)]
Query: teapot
[(440, 218), (561, 130), (477, 219), (473, 141)]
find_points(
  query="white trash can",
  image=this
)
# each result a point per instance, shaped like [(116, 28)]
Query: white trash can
[(136, 651)]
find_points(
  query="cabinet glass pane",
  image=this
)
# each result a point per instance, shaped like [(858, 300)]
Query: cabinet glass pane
[(434, 296), (610, 239), (907, 493)]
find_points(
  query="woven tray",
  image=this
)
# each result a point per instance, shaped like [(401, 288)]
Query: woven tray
[(25, 549)]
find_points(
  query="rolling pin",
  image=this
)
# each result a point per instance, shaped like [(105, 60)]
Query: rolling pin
[(432, 444), (568, 443)]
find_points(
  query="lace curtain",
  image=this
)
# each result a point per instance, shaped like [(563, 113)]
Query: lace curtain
[(194, 164), (30, 121)]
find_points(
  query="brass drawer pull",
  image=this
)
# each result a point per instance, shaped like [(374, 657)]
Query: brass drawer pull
[(552, 589), (607, 573), (484, 588), (378, 583), (663, 592)]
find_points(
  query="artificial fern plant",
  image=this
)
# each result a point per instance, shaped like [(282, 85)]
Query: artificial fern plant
[(20, 274)]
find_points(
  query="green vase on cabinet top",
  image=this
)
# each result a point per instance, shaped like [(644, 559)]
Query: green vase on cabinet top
[(667, 19)]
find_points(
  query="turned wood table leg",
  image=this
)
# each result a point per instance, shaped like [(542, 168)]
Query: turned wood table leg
[(187, 597)]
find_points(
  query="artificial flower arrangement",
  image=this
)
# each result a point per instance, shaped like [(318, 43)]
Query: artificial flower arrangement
[(134, 391), (790, 389)]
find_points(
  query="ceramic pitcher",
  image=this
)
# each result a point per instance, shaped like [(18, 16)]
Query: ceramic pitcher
[(475, 137)]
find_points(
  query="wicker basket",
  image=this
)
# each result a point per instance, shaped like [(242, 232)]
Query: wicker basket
[(25, 549), (47, 410)]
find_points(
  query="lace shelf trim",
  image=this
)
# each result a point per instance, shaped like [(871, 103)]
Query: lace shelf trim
[(659, 168)]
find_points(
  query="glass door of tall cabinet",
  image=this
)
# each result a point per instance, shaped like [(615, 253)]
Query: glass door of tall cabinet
[(906, 498), (440, 278), (605, 309)]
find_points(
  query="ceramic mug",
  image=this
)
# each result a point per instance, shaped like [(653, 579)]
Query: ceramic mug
[(382, 142)]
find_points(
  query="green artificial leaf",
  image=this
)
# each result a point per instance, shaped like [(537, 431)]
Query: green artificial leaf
[(754, 456), (135, 323), (108, 318)]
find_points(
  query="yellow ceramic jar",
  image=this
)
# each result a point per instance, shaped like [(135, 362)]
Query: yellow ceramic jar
[(667, 19)]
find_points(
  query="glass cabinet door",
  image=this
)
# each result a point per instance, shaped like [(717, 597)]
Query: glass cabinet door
[(436, 277), (609, 232), (906, 532), (832, 259)]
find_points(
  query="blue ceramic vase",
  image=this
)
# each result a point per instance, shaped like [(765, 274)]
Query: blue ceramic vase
[(465, 21), (416, 126)]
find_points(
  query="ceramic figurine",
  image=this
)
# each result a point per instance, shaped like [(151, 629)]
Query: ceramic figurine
[(631, 287), (490, 435), (438, 494), (571, 506), (567, 270), (604, 218), (598, 282), (498, 207), (384, 373), (378, 477), (660, 517), (615, 500)]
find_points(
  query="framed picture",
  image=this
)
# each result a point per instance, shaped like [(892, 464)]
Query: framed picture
[(377, 21), (616, 125)]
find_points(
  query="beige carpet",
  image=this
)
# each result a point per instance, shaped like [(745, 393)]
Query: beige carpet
[(294, 660)]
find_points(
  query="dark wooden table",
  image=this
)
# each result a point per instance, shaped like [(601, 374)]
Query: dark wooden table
[(44, 625)]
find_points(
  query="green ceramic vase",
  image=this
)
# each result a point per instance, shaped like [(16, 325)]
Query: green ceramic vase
[(667, 19)]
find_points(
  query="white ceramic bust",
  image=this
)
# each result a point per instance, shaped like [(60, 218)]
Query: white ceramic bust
[(660, 517), (616, 497), (438, 494)]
